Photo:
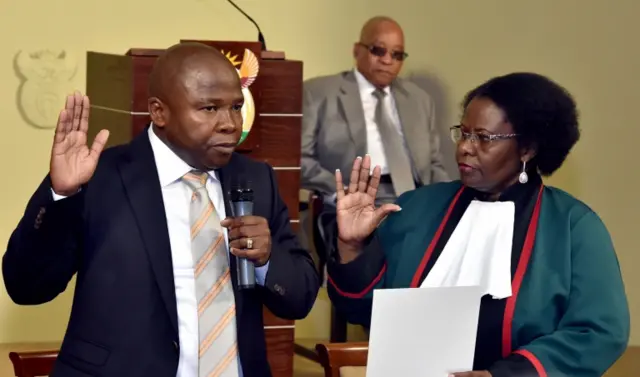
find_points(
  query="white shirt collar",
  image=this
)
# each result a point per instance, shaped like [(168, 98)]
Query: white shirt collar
[(170, 167), (365, 86)]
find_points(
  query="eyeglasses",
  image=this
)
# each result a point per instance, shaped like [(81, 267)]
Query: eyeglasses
[(458, 135), (382, 51)]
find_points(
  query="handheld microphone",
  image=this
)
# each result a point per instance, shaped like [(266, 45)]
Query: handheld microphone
[(260, 36), (242, 205)]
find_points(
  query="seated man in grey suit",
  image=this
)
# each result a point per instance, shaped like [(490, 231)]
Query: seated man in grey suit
[(369, 110)]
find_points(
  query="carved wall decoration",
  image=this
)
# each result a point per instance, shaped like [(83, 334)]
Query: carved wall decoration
[(46, 78)]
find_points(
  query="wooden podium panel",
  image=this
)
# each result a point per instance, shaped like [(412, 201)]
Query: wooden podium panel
[(117, 87)]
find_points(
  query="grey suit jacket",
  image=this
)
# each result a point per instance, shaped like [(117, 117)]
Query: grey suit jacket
[(334, 130)]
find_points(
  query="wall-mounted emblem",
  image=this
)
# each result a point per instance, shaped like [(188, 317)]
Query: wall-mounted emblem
[(248, 72), (45, 77)]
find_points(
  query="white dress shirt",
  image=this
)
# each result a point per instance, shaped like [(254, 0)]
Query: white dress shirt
[(375, 149), (176, 196)]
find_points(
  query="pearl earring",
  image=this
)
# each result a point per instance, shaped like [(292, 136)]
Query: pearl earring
[(523, 177)]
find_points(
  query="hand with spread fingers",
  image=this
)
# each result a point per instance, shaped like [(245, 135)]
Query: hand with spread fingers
[(249, 237), (357, 215), (72, 161)]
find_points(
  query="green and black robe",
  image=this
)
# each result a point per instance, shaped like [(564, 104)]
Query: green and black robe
[(568, 313)]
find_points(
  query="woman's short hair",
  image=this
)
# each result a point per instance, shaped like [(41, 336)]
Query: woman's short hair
[(542, 113)]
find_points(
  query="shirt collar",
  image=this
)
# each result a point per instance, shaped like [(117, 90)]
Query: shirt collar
[(365, 86), (170, 167)]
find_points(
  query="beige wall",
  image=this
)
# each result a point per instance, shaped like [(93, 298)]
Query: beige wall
[(589, 46)]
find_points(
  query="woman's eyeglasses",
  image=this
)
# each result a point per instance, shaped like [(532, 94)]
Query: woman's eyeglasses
[(458, 135), (382, 51)]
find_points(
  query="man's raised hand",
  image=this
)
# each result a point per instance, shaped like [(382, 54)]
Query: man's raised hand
[(72, 161)]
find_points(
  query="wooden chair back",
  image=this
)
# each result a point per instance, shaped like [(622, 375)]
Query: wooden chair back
[(334, 356), (33, 363)]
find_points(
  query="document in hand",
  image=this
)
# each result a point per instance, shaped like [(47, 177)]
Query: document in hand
[(423, 332)]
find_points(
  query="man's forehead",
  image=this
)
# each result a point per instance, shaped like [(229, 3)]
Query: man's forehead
[(205, 72), (380, 25), (208, 83), (201, 65), (181, 62)]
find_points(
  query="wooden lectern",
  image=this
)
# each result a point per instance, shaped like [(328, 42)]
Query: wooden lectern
[(117, 87)]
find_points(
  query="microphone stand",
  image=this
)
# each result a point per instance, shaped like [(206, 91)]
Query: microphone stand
[(260, 36)]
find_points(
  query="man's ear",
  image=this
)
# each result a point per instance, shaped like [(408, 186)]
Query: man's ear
[(355, 50), (157, 111)]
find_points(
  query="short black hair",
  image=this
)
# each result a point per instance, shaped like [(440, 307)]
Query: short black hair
[(542, 113)]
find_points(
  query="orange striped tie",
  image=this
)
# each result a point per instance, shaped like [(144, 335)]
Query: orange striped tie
[(216, 304)]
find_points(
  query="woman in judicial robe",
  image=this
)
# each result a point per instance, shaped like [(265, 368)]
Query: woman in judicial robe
[(554, 303)]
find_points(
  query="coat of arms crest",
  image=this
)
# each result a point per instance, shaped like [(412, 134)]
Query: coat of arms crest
[(248, 71)]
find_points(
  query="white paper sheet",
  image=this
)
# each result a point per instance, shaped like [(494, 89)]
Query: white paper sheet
[(423, 332)]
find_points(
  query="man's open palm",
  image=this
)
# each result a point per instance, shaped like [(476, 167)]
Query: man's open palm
[(72, 161)]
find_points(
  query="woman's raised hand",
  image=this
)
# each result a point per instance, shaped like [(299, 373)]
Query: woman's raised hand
[(357, 215)]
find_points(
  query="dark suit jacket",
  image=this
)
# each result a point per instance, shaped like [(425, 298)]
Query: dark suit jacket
[(113, 234)]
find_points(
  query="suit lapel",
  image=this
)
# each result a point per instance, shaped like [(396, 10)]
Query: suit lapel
[(351, 107), (142, 185), (413, 127)]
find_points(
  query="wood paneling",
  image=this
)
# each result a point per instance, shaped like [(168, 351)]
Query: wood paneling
[(141, 70), (289, 186), (281, 87), (280, 351), (279, 140), (271, 320), (109, 80)]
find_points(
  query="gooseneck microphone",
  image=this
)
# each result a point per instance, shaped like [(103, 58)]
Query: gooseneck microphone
[(260, 36), (242, 205)]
